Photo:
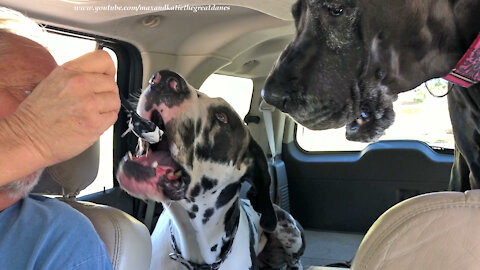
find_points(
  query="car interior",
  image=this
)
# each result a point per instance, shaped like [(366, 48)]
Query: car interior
[(336, 192)]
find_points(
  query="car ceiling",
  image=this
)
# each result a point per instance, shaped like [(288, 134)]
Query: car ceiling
[(244, 41)]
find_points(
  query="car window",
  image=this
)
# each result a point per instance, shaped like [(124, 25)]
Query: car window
[(418, 116), (234, 90), (65, 48)]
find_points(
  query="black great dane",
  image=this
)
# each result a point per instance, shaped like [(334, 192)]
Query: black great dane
[(196, 171), (350, 59)]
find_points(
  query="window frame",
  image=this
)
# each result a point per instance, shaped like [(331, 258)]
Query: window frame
[(437, 149)]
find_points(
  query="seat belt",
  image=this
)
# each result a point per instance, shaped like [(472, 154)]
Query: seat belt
[(267, 110), (276, 165), (149, 214)]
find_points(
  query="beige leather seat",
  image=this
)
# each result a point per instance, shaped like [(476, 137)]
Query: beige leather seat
[(434, 231), (127, 240)]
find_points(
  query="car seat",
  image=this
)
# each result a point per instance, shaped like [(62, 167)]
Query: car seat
[(127, 240)]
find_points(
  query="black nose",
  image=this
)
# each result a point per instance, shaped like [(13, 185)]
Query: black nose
[(166, 80), (276, 96), (155, 79), (276, 99)]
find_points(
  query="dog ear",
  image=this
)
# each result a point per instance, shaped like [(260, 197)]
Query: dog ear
[(259, 193)]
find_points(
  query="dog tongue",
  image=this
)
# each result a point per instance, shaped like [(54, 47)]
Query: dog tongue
[(168, 171), (162, 170), (163, 161)]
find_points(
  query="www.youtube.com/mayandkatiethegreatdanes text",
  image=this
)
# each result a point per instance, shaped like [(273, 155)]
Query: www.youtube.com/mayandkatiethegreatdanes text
[(166, 7)]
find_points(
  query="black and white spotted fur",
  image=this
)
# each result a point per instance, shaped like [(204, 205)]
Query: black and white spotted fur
[(197, 171)]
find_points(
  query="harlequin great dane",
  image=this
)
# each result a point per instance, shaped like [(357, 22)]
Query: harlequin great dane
[(196, 171), (350, 59)]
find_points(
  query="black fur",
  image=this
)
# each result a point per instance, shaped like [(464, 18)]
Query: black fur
[(187, 133), (259, 194), (227, 142), (231, 219), (341, 63), (198, 126), (195, 190), (137, 171), (207, 214), (280, 250), (161, 93), (208, 184), (227, 194)]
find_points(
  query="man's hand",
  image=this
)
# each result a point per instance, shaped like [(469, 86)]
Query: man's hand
[(70, 109)]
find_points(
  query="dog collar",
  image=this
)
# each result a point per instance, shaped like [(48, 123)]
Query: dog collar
[(467, 71)]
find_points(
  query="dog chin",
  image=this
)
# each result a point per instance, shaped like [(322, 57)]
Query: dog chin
[(314, 116), (375, 116), (370, 128), (156, 187), (321, 122), (21, 186), (156, 195)]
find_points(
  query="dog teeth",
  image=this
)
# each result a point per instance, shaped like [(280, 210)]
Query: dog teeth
[(178, 173), (147, 147), (170, 173), (130, 156), (154, 164)]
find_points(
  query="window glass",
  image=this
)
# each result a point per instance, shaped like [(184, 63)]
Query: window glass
[(418, 116), (65, 48), (234, 90)]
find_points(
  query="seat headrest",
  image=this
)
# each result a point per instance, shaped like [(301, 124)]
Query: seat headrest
[(70, 177)]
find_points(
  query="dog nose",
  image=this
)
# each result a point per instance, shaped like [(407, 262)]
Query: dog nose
[(276, 98), (155, 79), (164, 80), (172, 84)]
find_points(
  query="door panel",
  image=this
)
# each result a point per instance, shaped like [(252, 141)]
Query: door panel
[(348, 191)]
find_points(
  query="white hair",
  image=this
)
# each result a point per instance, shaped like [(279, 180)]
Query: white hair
[(14, 22), (21, 186)]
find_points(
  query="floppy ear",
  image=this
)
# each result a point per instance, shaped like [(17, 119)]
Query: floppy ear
[(259, 193)]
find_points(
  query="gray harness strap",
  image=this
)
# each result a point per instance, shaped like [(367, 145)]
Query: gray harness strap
[(149, 214), (252, 240)]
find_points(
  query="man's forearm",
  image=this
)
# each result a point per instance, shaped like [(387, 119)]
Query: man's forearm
[(18, 157)]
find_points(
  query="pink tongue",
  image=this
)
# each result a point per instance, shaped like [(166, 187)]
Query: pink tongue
[(162, 157), (164, 160), (163, 170)]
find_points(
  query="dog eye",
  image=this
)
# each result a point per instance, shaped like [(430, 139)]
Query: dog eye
[(222, 117), (335, 11)]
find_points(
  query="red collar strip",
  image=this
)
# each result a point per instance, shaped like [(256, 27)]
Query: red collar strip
[(467, 71)]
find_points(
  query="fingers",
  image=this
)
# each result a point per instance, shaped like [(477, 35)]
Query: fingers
[(98, 61), (110, 118), (107, 102), (100, 83)]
